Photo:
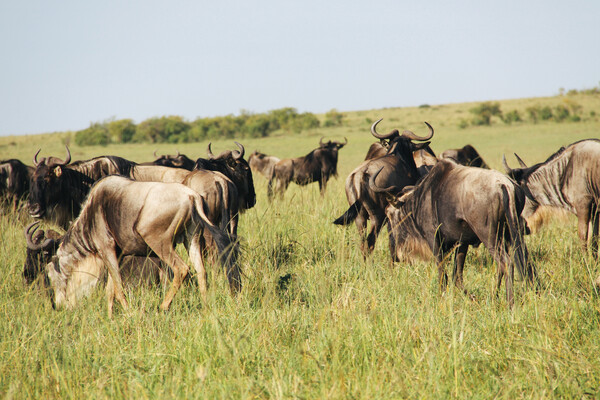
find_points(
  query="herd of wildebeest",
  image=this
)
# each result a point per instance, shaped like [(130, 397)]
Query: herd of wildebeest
[(124, 219)]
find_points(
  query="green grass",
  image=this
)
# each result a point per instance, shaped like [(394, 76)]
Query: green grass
[(342, 327)]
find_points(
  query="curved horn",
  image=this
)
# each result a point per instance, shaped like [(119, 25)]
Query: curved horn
[(29, 234), (178, 153), (378, 189), (380, 136), (321, 141), (155, 153), (67, 160), (35, 161), (410, 135), (238, 154), (505, 164), (209, 152), (345, 140), (521, 163)]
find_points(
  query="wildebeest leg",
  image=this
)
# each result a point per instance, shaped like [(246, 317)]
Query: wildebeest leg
[(393, 245), (166, 252), (322, 186), (439, 253), (112, 262), (195, 253), (459, 263), (595, 217), (361, 225), (377, 220), (583, 212)]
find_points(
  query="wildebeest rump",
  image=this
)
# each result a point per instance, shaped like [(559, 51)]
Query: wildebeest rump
[(317, 166), (262, 163), (568, 179), (399, 170), (14, 181), (454, 207), (58, 188), (467, 156), (124, 217)]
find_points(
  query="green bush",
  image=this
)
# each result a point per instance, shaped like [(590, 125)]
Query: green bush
[(512, 116), (121, 131), (333, 118), (484, 113), (161, 130), (545, 113), (561, 113), (96, 134)]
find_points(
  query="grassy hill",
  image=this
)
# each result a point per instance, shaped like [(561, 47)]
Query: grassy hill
[(343, 327)]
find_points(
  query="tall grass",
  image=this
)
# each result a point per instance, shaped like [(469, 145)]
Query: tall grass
[(314, 320)]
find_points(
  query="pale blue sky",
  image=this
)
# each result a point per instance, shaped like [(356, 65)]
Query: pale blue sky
[(68, 63)]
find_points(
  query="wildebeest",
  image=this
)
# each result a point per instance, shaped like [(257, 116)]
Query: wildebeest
[(41, 246), (124, 217), (399, 170), (58, 188), (317, 166), (177, 161), (232, 165), (262, 163), (455, 207), (568, 179), (14, 181), (465, 156)]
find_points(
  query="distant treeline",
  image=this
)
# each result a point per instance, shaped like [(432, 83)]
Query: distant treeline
[(175, 129)]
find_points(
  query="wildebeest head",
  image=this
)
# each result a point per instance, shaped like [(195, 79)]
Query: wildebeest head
[(332, 145), (467, 156), (402, 145), (175, 161), (232, 164), (46, 185), (521, 176), (41, 246)]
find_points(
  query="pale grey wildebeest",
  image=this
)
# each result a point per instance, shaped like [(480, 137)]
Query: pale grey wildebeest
[(262, 163), (124, 217), (568, 179), (455, 207)]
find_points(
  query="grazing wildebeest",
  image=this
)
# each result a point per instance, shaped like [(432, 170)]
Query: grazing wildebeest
[(232, 165), (177, 161), (14, 181), (124, 217), (465, 156), (262, 163), (58, 188), (41, 246), (455, 207), (399, 170), (568, 179), (317, 166)]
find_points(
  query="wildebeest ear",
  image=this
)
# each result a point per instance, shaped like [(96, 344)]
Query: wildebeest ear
[(58, 171), (407, 189), (420, 146)]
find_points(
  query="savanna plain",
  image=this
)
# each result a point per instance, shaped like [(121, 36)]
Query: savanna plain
[(315, 320)]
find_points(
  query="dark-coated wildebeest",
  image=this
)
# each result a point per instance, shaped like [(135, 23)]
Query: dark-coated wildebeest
[(455, 207), (124, 217), (58, 188), (568, 179), (41, 246), (231, 163), (174, 161), (467, 156), (317, 166), (14, 181), (262, 163), (424, 158), (399, 170)]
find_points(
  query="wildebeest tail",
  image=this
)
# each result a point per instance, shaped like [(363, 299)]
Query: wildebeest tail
[(227, 247), (350, 214), (519, 248)]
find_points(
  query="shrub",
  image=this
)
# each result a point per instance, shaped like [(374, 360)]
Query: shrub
[(512, 116), (160, 130), (96, 134), (561, 113), (463, 123), (121, 131), (333, 118), (545, 113), (484, 113)]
